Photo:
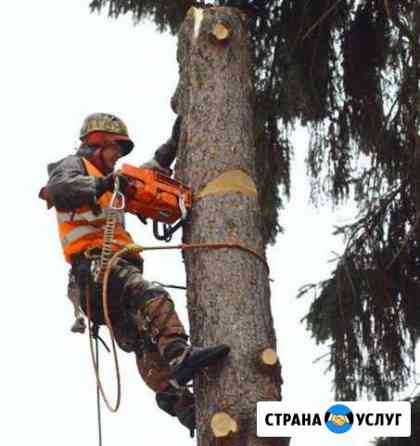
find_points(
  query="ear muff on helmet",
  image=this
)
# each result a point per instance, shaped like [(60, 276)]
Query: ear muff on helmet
[(126, 146)]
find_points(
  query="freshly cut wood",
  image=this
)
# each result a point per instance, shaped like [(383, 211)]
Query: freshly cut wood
[(220, 31), (268, 357), (223, 425)]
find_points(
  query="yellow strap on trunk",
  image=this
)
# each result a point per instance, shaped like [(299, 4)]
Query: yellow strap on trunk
[(231, 181)]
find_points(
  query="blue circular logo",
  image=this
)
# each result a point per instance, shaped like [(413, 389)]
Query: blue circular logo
[(339, 419)]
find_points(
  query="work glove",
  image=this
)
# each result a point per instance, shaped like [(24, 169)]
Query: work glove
[(104, 184), (107, 183), (155, 165)]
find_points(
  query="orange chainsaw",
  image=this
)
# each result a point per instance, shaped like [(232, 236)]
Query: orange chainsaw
[(150, 194)]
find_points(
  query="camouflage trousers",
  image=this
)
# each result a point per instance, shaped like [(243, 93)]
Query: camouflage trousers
[(142, 313)]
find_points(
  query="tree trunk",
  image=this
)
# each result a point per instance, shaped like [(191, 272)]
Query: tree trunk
[(416, 113), (228, 289)]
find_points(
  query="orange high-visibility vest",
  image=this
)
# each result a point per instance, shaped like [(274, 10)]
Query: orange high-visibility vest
[(82, 229)]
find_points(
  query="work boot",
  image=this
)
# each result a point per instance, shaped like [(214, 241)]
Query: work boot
[(179, 403), (186, 361), (159, 318)]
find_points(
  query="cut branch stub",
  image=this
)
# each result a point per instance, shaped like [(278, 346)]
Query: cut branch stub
[(268, 358), (220, 32), (223, 425)]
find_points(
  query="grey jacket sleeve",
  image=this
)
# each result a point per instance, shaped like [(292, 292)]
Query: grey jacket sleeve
[(166, 153), (69, 187)]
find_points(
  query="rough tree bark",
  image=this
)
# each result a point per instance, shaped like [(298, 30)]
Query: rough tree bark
[(415, 39), (228, 289)]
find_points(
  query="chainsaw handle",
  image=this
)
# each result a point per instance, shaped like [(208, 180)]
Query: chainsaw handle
[(166, 236)]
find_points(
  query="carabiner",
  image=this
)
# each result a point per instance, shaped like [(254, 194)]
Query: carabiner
[(118, 194)]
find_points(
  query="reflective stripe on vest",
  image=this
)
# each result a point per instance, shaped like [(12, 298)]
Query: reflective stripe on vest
[(78, 232), (65, 217), (82, 229)]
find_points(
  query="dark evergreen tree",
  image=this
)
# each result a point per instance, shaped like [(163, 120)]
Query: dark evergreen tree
[(349, 71)]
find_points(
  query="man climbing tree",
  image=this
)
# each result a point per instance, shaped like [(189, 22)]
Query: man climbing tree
[(228, 289), (143, 317)]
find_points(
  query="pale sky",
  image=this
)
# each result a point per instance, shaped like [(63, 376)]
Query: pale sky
[(58, 64)]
